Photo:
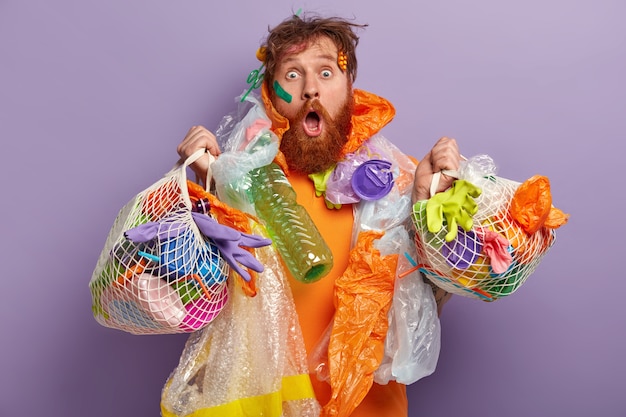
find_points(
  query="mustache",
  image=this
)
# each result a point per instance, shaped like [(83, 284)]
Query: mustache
[(313, 105)]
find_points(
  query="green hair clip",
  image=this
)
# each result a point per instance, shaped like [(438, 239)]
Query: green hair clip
[(255, 78)]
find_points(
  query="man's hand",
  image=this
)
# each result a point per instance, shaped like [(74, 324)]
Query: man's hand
[(198, 137), (443, 156)]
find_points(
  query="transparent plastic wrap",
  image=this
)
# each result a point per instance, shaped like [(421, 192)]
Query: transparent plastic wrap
[(247, 143), (413, 341), (486, 235), (250, 361)]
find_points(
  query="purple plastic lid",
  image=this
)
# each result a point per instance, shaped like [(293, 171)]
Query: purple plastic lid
[(373, 179)]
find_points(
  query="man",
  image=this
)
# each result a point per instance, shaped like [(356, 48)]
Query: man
[(321, 121)]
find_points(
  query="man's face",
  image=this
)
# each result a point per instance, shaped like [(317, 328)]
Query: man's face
[(320, 108)]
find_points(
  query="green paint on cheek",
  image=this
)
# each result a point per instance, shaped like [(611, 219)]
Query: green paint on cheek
[(280, 92)]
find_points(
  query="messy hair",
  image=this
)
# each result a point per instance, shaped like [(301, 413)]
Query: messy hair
[(297, 31)]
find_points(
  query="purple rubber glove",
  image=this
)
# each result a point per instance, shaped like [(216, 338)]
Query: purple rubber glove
[(151, 230), (230, 242)]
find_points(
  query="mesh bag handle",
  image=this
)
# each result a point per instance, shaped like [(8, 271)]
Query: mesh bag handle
[(183, 165), (434, 183), (157, 273), (197, 155)]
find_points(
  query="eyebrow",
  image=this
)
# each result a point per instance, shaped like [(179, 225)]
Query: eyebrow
[(328, 57)]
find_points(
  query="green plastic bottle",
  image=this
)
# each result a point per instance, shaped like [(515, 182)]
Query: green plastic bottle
[(296, 237)]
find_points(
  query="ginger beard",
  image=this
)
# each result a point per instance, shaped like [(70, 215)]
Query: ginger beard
[(321, 148)]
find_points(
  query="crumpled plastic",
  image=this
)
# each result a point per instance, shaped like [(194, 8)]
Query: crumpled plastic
[(250, 145), (496, 248), (210, 358), (413, 340), (363, 295), (412, 343), (368, 113), (456, 204), (531, 205), (338, 187), (250, 361)]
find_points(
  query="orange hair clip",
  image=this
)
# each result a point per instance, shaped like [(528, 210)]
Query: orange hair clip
[(342, 60)]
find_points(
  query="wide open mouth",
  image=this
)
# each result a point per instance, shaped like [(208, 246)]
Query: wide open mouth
[(312, 124)]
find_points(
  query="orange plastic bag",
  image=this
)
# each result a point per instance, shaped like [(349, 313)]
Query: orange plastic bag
[(531, 205), (363, 296)]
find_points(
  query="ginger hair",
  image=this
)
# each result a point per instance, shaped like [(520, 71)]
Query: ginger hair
[(295, 33)]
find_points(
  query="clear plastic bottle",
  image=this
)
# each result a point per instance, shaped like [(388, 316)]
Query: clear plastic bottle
[(293, 232)]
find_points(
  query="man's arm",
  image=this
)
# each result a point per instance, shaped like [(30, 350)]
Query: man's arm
[(443, 156)]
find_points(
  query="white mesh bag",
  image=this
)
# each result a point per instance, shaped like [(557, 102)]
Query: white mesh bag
[(483, 249), (157, 273)]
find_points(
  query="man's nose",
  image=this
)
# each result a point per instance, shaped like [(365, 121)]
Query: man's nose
[(310, 90)]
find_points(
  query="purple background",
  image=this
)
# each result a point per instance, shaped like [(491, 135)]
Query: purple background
[(95, 96)]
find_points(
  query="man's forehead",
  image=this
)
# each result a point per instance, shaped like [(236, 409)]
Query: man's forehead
[(322, 48)]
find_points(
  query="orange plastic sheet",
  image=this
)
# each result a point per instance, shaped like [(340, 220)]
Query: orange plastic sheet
[(531, 206), (228, 216), (363, 296)]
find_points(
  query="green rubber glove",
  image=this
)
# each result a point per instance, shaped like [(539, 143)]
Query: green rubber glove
[(319, 181), (456, 204)]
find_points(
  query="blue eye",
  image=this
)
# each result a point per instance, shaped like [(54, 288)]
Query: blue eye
[(326, 73), (291, 75)]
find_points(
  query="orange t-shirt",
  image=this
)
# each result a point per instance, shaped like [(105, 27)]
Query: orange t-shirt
[(314, 302)]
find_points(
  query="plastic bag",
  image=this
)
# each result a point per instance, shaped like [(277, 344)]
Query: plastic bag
[(250, 360), (158, 273), (363, 295), (413, 340), (486, 235)]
